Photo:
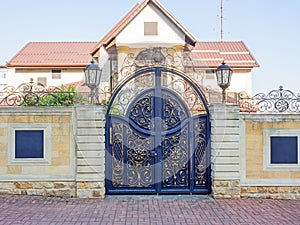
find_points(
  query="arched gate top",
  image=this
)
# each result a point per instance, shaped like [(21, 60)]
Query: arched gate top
[(145, 78)]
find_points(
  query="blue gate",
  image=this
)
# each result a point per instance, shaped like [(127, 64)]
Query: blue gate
[(158, 135)]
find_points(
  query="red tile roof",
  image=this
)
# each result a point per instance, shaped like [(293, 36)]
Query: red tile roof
[(234, 53), (53, 54), (77, 54), (111, 35)]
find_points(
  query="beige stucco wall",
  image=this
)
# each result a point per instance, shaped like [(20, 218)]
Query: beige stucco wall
[(62, 148), (240, 148), (74, 146), (258, 178), (17, 76)]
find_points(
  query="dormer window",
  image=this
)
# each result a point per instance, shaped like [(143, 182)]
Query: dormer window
[(150, 28)]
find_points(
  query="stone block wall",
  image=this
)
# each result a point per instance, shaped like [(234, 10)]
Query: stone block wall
[(90, 151), (225, 152), (259, 177), (52, 175), (44, 188), (272, 192), (74, 153)]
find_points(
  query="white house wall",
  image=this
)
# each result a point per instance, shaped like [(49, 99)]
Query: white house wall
[(68, 75), (133, 35), (241, 81)]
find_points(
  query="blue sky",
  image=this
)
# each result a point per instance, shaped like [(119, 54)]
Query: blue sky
[(270, 28)]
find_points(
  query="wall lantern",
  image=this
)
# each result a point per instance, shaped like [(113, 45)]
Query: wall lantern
[(92, 74), (224, 73)]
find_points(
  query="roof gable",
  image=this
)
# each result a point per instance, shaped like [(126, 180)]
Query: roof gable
[(131, 15), (53, 54)]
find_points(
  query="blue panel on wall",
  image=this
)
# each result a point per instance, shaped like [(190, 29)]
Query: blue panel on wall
[(29, 144), (284, 150)]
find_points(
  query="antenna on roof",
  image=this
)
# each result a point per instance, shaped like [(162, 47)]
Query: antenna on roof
[(221, 17)]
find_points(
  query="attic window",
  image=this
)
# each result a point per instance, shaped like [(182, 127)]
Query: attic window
[(150, 28)]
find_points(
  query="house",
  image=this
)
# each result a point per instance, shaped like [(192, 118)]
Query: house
[(147, 25), (49, 63)]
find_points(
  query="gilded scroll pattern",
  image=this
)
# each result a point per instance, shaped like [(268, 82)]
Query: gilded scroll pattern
[(173, 112), (185, 91), (200, 153), (141, 113), (130, 91), (175, 160), (117, 155), (156, 57), (139, 170)]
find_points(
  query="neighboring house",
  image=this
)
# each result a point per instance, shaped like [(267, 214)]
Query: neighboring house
[(147, 25), (49, 63)]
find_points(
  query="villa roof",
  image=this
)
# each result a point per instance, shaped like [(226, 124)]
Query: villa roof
[(234, 53), (77, 54), (111, 35), (53, 54)]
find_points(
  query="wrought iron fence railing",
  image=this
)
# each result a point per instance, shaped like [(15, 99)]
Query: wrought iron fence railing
[(36, 94), (276, 101)]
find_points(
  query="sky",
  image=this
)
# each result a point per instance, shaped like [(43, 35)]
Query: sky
[(269, 28)]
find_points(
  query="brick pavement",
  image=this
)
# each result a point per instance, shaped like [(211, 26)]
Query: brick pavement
[(29, 210)]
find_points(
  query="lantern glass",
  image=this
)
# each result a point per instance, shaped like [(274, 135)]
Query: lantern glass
[(223, 74), (92, 75)]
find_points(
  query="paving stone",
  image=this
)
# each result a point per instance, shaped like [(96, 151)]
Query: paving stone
[(144, 210)]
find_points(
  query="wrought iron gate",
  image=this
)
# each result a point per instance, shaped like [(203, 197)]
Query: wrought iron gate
[(157, 135)]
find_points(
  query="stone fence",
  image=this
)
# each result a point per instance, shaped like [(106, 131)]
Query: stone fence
[(255, 154), (53, 151), (252, 154)]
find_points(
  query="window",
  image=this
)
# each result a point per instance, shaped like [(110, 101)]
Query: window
[(29, 143), (150, 28), (281, 149), (42, 80), (284, 150), (56, 74)]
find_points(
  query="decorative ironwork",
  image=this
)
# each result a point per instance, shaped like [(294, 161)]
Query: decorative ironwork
[(186, 91), (129, 91), (175, 150), (200, 153), (36, 94), (173, 112), (159, 120), (117, 154), (276, 101), (160, 56), (142, 113), (139, 158)]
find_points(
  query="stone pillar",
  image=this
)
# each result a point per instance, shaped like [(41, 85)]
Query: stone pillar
[(225, 150), (90, 151)]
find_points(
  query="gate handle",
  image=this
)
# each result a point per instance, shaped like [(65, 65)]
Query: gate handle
[(153, 154)]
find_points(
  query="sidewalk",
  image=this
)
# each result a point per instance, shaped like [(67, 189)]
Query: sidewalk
[(28, 210)]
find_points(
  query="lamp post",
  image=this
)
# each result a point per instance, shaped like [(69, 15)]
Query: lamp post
[(92, 74), (223, 74)]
